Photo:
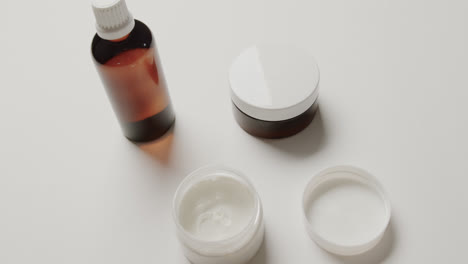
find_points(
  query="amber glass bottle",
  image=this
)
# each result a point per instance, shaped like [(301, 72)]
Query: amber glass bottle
[(127, 61)]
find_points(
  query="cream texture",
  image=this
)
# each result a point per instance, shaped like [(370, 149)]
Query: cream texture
[(216, 208)]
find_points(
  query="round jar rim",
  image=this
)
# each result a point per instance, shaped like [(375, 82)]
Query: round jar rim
[(217, 247), (359, 175), (253, 78)]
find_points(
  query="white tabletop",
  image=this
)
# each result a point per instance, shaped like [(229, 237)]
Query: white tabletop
[(393, 100)]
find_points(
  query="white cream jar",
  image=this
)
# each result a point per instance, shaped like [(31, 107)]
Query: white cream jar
[(218, 215)]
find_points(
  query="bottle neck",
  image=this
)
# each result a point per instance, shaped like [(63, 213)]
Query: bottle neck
[(120, 39)]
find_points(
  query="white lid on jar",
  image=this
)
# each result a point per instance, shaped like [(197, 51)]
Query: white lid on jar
[(346, 210), (274, 82)]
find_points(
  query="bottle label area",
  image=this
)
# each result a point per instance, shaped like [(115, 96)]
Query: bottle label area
[(135, 84)]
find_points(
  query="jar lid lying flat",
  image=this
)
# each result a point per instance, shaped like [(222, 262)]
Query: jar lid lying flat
[(346, 210), (274, 82)]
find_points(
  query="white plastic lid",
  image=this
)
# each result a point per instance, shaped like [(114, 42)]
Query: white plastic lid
[(346, 210), (113, 20), (274, 82)]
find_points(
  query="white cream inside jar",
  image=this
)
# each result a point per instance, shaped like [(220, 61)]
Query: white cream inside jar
[(218, 216), (216, 208)]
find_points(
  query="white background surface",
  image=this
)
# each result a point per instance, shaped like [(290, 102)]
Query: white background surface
[(393, 101)]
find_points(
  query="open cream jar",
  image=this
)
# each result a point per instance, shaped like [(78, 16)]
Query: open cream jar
[(218, 215)]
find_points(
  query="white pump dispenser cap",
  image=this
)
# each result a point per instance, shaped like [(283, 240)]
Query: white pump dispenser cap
[(113, 20)]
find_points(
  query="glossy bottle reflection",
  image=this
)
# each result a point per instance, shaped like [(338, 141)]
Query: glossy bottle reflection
[(132, 75)]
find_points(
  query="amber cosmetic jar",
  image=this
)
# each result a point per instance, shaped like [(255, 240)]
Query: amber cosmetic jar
[(274, 90)]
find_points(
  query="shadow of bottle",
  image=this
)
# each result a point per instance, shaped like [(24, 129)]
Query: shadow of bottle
[(160, 149)]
